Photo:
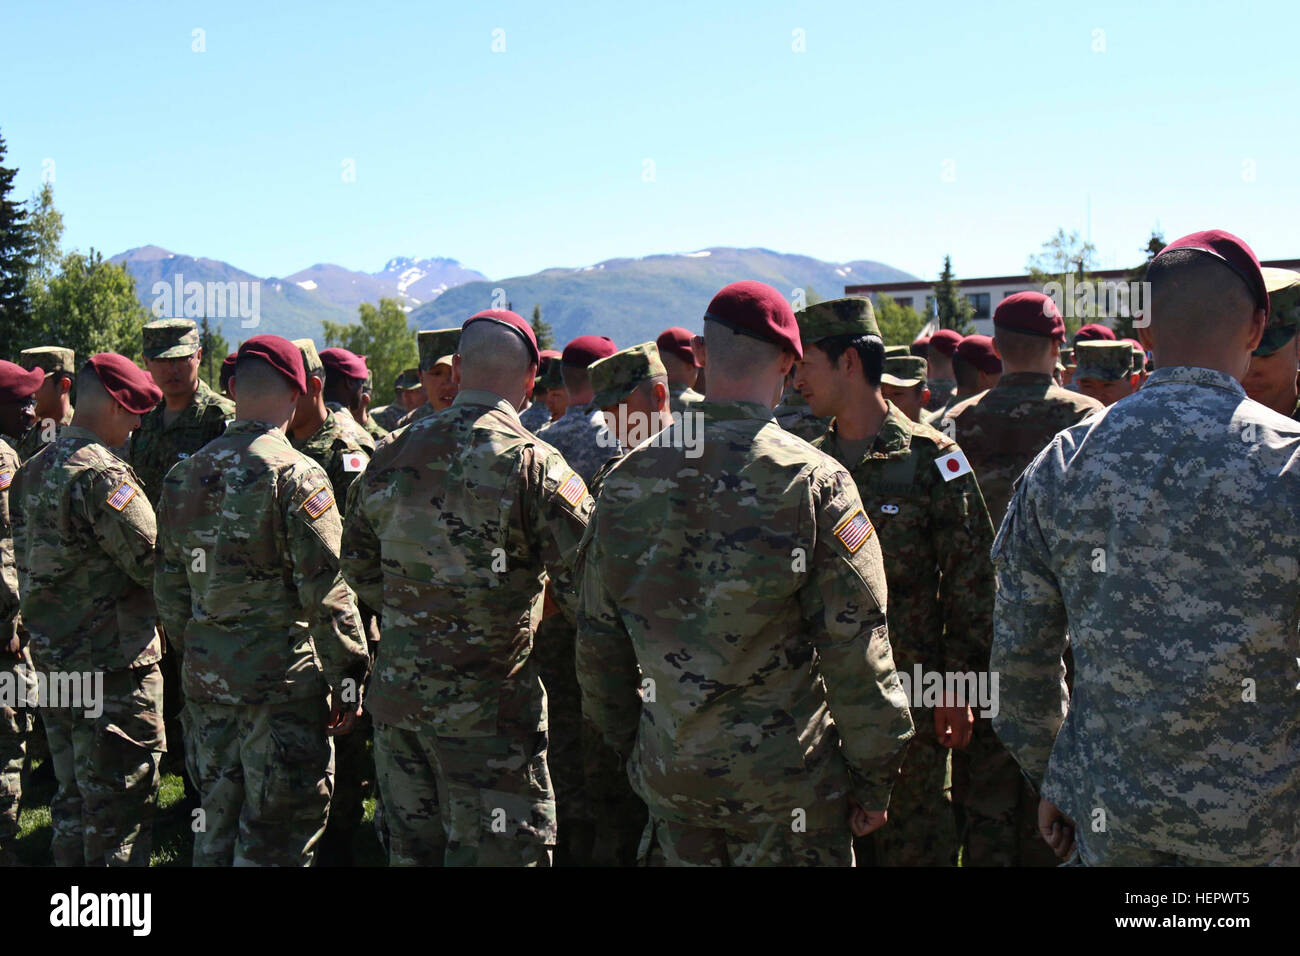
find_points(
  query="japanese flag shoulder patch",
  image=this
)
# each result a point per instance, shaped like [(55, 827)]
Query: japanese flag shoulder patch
[(952, 465), (854, 530), (319, 502), (6, 479), (573, 490), (355, 461), (121, 496)]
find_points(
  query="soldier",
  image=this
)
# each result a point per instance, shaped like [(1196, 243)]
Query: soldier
[(557, 399), (84, 544), (1001, 431), (1178, 742), (744, 674), (1105, 370), (189, 416), (366, 420), (1139, 361), (346, 376), (1275, 363), (226, 374), (538, 412), (976, 365), (580, 435), (324, 435), (633, 391), (1093, 332), (53, 401), (934, 534), (679, 362), (17, 387), (409, 395), (1068, 365), (436, 351), (903, 383), (461, 725), (249, 589), (794, 415), (938, 356)]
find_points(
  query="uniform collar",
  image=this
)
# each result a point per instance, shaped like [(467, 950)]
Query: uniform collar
[(733, 411), (248, 426), (479, 396), (892, 440), (1010, 379), (1194, 375), (78, 433)]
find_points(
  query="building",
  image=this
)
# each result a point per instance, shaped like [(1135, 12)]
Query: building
[(986, 293)]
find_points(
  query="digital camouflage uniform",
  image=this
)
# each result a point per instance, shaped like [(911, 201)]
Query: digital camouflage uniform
[(450, 531), (1001, 431), (535, 416), (16, 721), (248, 586), (581, 437), (1164, 533), (358, 432), (935, 533), (84, 544), (742, 593), (155, 447), (388, 416), (794, 415), (415, 415)]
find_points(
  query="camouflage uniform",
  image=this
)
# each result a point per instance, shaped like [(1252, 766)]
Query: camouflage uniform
[(248, 586), (943, 392), (363, 435), (155, 447), (1180, 736), (43, 432), (581, 437), (415, 415), (388, 416), (1001, 430), (743, 594), (535, 416), (449, 531), (794, 415), (48, 359), (935, 533), (84, 543), (373, 428), (15, 722), (682, 396)]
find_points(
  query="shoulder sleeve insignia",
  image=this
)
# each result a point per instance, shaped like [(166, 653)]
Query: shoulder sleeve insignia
[(355, 461), (952, 465), (319, 502), (854, 531), (573, 490), (121, 496), (6, 479)]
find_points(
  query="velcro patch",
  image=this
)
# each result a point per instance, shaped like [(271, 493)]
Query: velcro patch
[(952, 465), (573, 490), (6, 479), (355, 461), (121, 497), (854, 531), (319, 502)]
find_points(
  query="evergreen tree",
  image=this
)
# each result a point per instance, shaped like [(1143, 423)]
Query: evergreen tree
[(544, 333), (15, 264), (89, 306), (953, 308), (215, 348)]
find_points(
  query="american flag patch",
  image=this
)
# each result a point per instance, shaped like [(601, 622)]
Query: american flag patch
[(573, 490), (119, 499), (319, 501), (6, 479), (854, 530)]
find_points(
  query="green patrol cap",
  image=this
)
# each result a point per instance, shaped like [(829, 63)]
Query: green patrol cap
[(170, 338), (851, 316), (896, 351), (1283, 309), (49, 358), (614, 377), (1103, 359), (408, 380), (904, 371), (1067, 356), (434, 344), (311, 363), (551, 376)]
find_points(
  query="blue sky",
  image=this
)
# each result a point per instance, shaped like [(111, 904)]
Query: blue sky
[(902, 132)]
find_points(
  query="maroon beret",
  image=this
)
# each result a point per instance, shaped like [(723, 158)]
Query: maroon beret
[(977, 350), (131, 386), (511, 321), (17, 384), (1032, 313), (340, 360), (586, 349), (285, 357), (921, 346), (1232, 252), (1094, 332), (548, 354), (757, 310), (945, 341), (677, 341)]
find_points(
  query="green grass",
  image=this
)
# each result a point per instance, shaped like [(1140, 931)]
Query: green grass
[(173, 840)]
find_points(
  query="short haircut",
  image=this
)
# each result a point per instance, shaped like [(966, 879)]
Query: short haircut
[(91, 394), (256, 378), (1020, 348), (966, 374), (491, 351), (734, 355), (1195, 295), (575, 377), (870, 349), (646, 388)]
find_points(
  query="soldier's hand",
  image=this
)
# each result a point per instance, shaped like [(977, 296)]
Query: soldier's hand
[(342, 720), (953, 726), (862, 822), (1056, 828)]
